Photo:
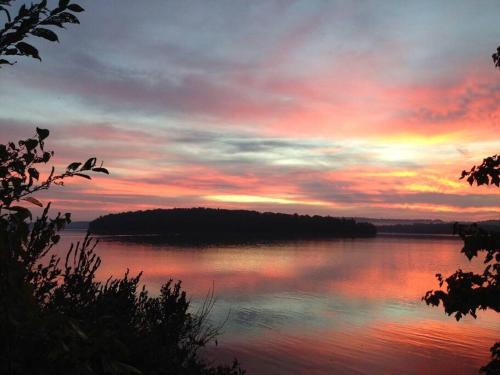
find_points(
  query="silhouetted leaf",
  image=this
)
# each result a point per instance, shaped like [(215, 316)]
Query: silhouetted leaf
[(46, 156), (12, 37), (22, 212), (30, 143), (42, 133), (33, 173), (22, 11), (67, 17), (101, 170), (73, 166), (53, 21), (83, 175), (75, 8), (46, 34), (34, 201), (90, 163), (28, 49)]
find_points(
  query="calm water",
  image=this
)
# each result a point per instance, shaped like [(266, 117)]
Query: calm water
[(322, 307)]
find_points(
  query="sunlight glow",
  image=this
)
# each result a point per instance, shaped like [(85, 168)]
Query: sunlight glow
[(259, 199)]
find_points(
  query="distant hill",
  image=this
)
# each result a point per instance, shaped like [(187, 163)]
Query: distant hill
[(389, 221), (434, 228), (221, 224), (417, 228)]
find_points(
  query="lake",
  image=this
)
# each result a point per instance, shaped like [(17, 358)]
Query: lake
[(321, 307)]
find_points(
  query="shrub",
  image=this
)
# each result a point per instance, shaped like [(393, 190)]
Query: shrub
[(55, 317)]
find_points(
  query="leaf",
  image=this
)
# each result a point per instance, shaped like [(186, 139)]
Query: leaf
[(33, 173), (46, 156), (67, 17), (89, 164), (63, 3), (11, 38), (34, 201), (75, 8), (30, 144), (55, 239), (21, 211), (42, 133), (28, 49), (83, 175), (73, 166), (53, 21), (46, 34), (22, 11), (100, 170)]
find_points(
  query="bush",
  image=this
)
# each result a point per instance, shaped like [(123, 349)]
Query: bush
[(55, 318)]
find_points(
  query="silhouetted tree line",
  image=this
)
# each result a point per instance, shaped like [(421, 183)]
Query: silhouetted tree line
[(221, 224), (433, 228), (417, 228)]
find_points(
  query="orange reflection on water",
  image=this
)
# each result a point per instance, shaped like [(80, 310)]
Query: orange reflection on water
[(317, 307), (381, 268), (418, 347)]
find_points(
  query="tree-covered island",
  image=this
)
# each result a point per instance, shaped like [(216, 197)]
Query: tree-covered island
[(228, 225)]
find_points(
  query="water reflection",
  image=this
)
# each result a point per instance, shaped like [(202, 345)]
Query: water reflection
[(321, 307)]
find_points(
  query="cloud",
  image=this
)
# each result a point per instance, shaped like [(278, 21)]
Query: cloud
[(358, 106)]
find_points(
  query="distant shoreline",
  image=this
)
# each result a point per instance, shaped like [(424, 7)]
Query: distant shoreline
[(419, 235), (206, 225)]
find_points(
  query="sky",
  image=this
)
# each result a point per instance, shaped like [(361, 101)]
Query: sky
[(341, 108)]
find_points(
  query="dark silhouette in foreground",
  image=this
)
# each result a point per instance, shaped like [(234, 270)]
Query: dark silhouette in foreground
[(55, 318), (219, 225), (467, 292)]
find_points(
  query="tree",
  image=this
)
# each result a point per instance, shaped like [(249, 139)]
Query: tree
[(467, 292), (55, 317), (34, 20)]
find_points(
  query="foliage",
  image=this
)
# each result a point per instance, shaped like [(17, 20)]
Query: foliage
[(468, 292), (496, 58), (55, 318), (488, 172), (36, 20)]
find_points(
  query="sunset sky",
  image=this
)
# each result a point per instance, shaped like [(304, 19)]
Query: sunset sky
[(342, 108)]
